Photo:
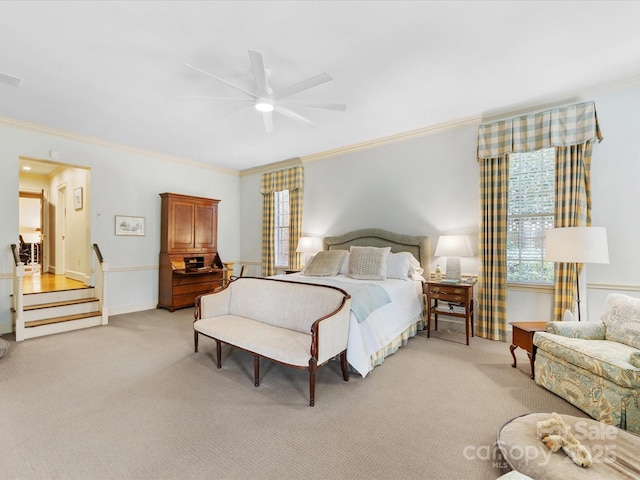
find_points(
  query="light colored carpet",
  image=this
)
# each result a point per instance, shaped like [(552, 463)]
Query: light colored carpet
[(132, 401)]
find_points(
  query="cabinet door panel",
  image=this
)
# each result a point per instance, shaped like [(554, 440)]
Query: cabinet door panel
[(183, 215), (206, 227)]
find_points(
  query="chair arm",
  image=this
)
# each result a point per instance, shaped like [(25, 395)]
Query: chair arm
[(585, 330), (213, 304), (333, 333)]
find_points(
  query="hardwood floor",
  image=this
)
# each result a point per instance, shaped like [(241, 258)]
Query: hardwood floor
[(48, 282)]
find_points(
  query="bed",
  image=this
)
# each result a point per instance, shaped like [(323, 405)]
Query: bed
[(376, 332)]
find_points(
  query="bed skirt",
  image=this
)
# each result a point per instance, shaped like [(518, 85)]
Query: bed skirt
[(400, 341)]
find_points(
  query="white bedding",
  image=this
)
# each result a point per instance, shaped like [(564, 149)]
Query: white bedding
[(383, 325)]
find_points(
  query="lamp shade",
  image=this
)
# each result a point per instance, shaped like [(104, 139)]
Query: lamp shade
[(453, 246), (577, 245), (309, 245)]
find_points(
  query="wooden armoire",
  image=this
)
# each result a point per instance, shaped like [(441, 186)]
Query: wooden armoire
[(189, 260)]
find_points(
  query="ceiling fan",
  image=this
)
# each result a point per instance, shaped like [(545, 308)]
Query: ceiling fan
[(266, 101)]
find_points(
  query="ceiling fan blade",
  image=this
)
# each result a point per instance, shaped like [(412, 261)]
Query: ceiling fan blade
[(257, 64), (267, 118), (10, 80), (293, 115), (208, 97), (328, 106), (301, 86), (247, 92)]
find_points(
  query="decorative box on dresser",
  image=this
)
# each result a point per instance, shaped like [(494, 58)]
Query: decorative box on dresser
[(189, 260)]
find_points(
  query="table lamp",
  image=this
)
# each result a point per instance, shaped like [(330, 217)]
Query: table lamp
[(308, 246), (577, 245), (453, 247)]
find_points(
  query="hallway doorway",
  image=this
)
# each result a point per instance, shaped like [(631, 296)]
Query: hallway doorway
[(63, 238)]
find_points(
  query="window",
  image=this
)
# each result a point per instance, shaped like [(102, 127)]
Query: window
[(281, 230), (530, 213)]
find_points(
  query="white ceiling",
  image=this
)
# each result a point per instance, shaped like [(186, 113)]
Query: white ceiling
[(115, 70)]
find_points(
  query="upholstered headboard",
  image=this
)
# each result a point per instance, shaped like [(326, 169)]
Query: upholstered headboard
[(374, 237)]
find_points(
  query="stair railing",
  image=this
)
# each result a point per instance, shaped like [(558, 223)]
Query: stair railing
[(17, 299), (100, 277)]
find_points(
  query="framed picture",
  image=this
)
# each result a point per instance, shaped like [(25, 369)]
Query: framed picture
[(77, 198), (126, 225)]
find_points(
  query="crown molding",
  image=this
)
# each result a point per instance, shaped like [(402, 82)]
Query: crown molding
[(420, 132), (270, 167), (11, 122), (558, 101)]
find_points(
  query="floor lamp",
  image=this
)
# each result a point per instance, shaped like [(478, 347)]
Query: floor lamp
[(577, 245), (453, 247)]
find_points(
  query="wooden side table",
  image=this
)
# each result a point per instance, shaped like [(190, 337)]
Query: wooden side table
[(522, 336), (457, 301)]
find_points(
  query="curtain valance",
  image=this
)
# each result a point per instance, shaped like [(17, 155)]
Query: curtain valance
[(573, 125), (287, 179)]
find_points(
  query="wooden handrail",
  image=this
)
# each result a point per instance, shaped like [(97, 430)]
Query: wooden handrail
[(16, 255), (98, 253)]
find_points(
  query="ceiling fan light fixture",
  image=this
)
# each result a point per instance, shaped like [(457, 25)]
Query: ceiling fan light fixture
[(264, 105)]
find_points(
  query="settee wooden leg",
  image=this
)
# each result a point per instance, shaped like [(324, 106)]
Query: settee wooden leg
[(219, 353), (256, 370), (313, 365), (195, 341), (344, 365)]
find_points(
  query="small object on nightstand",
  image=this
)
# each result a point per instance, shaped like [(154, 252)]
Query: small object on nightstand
[(438, 274)]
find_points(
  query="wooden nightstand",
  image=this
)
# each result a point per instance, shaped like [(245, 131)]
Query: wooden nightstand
[(522, 336), (450, 299)]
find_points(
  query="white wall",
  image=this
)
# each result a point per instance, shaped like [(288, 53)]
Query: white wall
[(123, 182), (429, 185), (615, 188)]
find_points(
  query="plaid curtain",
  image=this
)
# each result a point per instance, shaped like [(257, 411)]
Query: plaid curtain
[(291, 179), (492, 284), (573, 209), (560, 127), (572, 130)]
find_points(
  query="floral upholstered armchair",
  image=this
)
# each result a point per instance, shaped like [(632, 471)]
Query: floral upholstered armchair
[(596, 365)]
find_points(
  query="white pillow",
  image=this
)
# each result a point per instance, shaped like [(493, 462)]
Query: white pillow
[(368, 263), (325, 264), (398, 265), (416, 272), (344, 269)]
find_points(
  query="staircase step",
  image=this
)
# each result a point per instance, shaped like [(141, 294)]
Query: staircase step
[(77, 301), (60, 309), (66, 318), (58, 296)]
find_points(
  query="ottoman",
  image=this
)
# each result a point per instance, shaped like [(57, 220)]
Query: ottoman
[(615, 452)]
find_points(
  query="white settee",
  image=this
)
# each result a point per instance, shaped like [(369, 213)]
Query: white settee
[(295, 324)]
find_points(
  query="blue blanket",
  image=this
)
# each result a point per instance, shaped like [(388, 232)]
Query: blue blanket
[(365, 298)]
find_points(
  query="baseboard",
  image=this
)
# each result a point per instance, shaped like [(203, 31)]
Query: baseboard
[(122, 309), (79, 276)]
